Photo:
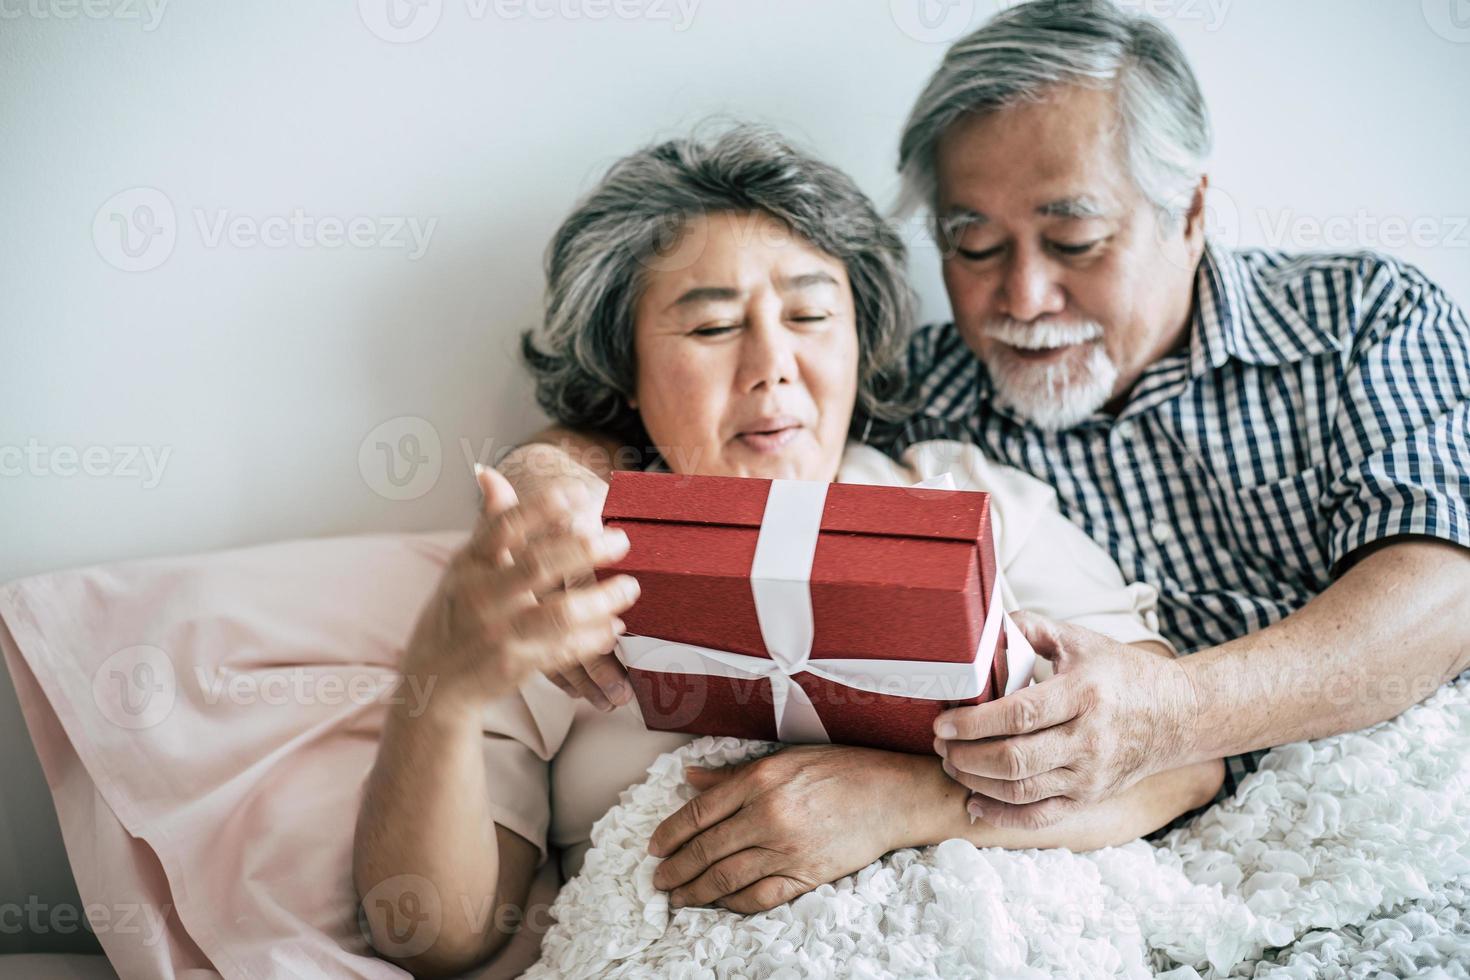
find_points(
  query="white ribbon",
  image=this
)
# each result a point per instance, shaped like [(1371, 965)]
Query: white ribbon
[(781, 585), (780, 575)]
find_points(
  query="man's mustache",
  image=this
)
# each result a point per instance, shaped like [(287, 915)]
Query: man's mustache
[(1046, 335)]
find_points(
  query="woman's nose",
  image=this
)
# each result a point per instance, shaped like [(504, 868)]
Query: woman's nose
[(767, 353)]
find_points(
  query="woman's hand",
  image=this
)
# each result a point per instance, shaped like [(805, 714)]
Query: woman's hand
[(503, 611), (763, 832), (540, 470)]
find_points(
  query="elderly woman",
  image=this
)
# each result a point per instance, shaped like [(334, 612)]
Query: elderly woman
[(730, 301)]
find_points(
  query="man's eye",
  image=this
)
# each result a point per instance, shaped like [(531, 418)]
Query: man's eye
[(1081, 249), (979, 255), (810, 318)]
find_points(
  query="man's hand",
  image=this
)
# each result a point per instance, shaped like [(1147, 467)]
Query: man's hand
[(764, 832), (1111, 715)]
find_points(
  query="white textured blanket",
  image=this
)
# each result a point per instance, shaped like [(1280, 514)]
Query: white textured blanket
[(1346, 857)]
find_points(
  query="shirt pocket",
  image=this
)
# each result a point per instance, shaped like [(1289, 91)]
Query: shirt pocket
[(1279, 528)]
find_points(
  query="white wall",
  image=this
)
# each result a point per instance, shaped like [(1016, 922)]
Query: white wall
[(261, 371)]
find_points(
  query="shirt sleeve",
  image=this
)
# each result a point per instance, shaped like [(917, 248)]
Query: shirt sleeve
[(1397, 461)]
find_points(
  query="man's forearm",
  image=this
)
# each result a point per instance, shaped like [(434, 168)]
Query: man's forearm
[(1385, 636), (935, 811)]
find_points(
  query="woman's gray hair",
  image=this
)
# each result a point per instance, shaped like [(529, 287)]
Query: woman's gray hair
[(582, 354), (1022, 52)]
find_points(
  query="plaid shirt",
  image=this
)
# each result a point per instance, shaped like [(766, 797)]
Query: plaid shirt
[(1323, 404)]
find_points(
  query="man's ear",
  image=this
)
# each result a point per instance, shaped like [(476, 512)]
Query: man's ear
[(1194, 219)]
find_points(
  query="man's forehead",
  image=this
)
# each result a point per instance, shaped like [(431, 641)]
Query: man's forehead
[(1055, 154)]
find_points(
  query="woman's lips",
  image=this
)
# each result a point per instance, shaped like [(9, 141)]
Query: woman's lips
[(770, 437)]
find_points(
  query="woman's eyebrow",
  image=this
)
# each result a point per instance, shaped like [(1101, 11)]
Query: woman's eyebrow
[(806, 281), (705, 294)]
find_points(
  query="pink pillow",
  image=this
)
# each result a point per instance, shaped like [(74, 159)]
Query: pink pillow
[(206, 724)]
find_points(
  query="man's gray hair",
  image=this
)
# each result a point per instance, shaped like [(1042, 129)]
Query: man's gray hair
[(1023, 52), (582, 354)]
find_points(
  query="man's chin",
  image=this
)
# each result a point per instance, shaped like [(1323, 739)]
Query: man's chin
[(1054, 396)]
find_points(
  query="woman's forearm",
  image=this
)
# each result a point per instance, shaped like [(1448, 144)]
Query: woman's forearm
[(426, 842), (937, 811)]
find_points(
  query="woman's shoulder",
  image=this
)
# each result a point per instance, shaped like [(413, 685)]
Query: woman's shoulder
[(970, 467), (1018, 500), (973, 470), (864, 464)]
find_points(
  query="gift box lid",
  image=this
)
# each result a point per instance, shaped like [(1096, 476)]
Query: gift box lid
[(945, 515), (899, 573)]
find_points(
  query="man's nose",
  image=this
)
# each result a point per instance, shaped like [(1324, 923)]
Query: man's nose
[(1030, 289)]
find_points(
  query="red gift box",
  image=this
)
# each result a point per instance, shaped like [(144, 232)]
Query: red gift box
[(809, 612)]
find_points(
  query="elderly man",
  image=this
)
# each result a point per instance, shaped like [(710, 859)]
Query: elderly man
[(1281, 444)]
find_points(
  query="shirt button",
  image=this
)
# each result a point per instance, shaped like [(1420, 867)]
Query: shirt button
[(1125, 430), (1161, 532)]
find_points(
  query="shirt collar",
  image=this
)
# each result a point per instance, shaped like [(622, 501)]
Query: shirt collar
[(1242, 313)]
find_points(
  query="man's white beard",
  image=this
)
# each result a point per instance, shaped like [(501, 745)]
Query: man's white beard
[(1057, 395)]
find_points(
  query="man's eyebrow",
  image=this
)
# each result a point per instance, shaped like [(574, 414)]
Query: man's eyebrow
[(808, 279), (959, 219), (1073, 207), (706, 294)]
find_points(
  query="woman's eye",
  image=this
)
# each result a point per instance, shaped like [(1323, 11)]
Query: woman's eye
[(810, 318), (714, 330)]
